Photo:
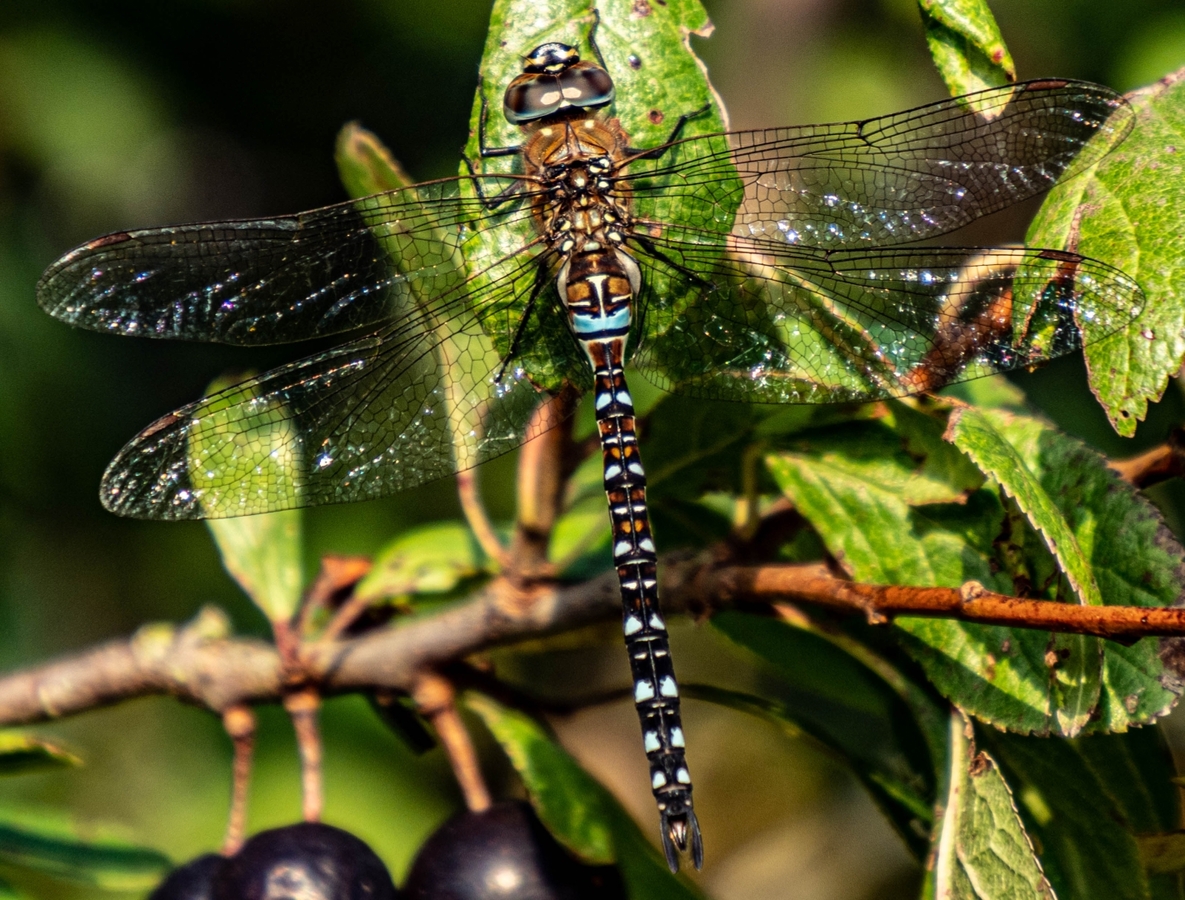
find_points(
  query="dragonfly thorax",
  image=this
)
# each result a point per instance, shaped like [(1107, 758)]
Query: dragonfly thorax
[(581, 200)]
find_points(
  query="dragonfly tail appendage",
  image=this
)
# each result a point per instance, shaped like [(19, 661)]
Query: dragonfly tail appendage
[(676, 831), (656, 693)]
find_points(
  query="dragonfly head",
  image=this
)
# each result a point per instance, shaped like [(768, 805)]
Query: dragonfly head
[(555, 80), (551, 58)]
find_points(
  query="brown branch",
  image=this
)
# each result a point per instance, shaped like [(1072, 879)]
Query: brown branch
[(969, 603), (336, 579), (219, 673), (211, 670)]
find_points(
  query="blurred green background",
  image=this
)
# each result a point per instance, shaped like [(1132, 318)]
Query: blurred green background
[(123, 113)]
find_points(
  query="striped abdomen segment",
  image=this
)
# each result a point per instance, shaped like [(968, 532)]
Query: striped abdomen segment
[(597, 287)]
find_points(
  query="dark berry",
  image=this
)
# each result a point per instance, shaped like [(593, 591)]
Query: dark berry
[(504, 853), (308, 861), (191, 881)]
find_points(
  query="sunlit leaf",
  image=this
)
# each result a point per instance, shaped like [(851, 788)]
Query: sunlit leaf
[(981, 850), (855, 486), (1134, 558), (966, 45), (1077, 674), (1130, 212)]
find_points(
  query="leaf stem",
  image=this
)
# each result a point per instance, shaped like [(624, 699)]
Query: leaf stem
[(239, 722), (437, 702), (303, 706)]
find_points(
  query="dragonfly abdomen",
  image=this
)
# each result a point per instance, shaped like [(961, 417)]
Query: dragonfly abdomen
[(597, 288)]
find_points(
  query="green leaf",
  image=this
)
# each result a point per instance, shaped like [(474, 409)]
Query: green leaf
[(994, 393), (1088, 848), (1130, 212), (9, 892), (1137, 772), (106, 863), (854, 486), (575, 808), (261, 552), (943, 474), (264, 453), (569, 801), (693, 446), (1076, 676), (981, 849), (20, 753), (966, 45), (1133, 556), (429, 559), (581, 537), (870, 500), (856, 505), (974, 434), (364, 163), (1136, 769)]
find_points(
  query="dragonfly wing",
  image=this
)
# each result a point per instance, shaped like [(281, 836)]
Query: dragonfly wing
[(896, 178), (772, 324), (407, 404), (268, 281)]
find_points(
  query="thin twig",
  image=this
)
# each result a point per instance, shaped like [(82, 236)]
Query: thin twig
[(544, 465), (337, 575), (475, 514), (436, 700), (302, 706), (239, 722)]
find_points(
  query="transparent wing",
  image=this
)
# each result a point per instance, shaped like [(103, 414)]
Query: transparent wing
[(776, 324), (891, 179), (268, 281), (412, 402)]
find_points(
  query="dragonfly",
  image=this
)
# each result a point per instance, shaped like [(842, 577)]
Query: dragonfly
[(767, 266)]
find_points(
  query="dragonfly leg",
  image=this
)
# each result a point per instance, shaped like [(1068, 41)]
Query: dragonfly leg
[(541, 280), (657, 152), (486, 151), (654, 252), (592, 37), (491, 203)]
